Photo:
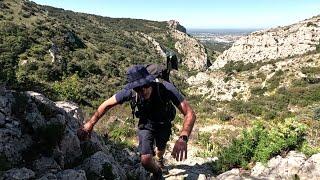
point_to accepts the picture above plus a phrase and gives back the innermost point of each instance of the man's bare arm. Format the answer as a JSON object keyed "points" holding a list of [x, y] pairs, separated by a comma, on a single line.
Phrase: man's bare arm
{"points": [[103, 108], [189, 118]]}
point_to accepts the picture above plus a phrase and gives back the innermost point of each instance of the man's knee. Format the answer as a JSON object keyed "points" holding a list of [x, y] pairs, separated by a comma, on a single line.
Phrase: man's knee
{"points": [[146, 160]]}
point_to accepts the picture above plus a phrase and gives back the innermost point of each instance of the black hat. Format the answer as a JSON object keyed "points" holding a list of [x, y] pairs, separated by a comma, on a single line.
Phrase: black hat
{"points": [[138, 75]]}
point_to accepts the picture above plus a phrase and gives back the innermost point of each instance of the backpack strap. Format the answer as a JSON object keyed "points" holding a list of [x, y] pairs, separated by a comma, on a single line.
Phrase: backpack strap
{"points": [[133, 102]]}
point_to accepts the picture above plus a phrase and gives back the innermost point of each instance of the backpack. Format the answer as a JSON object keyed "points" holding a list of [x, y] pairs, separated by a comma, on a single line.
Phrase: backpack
{"points": [[161, 73], [161, 105]]}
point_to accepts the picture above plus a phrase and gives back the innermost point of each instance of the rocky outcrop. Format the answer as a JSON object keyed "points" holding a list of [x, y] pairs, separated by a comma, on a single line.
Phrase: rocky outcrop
{"points": [[193, 52], [276, 43], [176, 25], [38, 141], [148, 39], [217, 86], [294, 166]]}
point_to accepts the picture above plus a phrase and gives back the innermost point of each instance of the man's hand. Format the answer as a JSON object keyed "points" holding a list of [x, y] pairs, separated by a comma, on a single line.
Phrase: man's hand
{"points": [[179, 151], [84, 133]]}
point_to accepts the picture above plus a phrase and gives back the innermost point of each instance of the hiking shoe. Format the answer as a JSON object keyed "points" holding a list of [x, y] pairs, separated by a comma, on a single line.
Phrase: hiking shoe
{"points": [[160, 162], [157, 176]]}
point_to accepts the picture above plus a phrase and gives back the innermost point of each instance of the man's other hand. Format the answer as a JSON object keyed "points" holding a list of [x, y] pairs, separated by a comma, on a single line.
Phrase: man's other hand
{"points": [[179, 151]]}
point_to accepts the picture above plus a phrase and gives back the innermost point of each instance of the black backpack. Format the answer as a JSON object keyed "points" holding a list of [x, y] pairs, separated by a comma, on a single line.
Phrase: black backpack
{"points": [[161, 73]]}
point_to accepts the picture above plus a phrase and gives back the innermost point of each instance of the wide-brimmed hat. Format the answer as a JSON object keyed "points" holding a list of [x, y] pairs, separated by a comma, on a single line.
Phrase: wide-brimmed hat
{"points": [[138, 75]]}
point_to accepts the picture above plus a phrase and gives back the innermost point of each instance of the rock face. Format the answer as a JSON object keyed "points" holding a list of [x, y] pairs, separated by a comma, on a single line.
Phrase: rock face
{"points": [[195, 56], [294, 166], [255, 61], [146, 38], [214, 86], [38, 141], [176, 25], [276, 43]]}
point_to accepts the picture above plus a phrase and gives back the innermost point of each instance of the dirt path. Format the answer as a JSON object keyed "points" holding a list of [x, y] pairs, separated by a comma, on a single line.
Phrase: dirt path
{"points": [[192, 168]]}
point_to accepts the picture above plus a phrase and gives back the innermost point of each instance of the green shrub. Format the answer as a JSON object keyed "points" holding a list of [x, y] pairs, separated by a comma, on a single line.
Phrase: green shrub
{"points": [[318, 47], [227, 79], [262, 76], [316, 114], [238, 66], [69, 88], [308, 150], [280, 137], [209, 84], [255, 108], [275, 80], [208, 148], [260, 143], [258, 90], [224, 116], [120, 131]]}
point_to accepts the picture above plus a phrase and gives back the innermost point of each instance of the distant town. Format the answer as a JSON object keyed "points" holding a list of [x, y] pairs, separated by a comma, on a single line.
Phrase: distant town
{"points": [[227, 36]]}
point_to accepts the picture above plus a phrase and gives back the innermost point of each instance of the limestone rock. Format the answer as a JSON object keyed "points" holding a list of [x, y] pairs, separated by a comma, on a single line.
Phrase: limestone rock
{"points": [[176, 25], [41, 134], [44, 165], [70, 174], [146, 38], [101, 165], [19, 174], [232, 174], [70, 147], [212, 85], [276, 43], [311, 168], [293, 166], [195, 56]]}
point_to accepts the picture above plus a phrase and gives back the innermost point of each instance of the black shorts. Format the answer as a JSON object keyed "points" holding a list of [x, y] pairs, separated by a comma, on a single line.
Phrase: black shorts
{"points": [[148, 138]]}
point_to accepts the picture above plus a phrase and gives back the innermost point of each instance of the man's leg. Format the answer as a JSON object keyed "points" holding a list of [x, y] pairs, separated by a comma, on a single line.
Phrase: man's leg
{"points": [[149, 164], [146, 140], [162, 137]]}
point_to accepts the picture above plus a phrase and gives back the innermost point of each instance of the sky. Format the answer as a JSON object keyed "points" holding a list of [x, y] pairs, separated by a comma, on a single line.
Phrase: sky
{"points": [[200, 14]]}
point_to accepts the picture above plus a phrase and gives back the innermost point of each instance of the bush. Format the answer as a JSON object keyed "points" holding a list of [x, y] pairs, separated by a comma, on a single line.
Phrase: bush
{"points": [[224, 116], [318, 47], [316, 114], [69, 88], [260, 143], [208, 148]]}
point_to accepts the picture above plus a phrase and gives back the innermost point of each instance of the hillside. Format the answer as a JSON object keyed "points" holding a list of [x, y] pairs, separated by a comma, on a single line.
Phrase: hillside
{"points": [[270, 76], [277, 63], [46, 48]]}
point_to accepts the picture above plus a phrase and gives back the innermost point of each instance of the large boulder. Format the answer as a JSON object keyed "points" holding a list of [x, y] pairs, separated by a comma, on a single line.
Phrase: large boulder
{"points": [[311, 168], [19, 174], [294, 166], [100, 165], [38, 139]]}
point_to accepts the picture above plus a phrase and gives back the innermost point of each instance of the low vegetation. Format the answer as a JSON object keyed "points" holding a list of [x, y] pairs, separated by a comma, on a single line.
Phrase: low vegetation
{"points": [[260, 143]]}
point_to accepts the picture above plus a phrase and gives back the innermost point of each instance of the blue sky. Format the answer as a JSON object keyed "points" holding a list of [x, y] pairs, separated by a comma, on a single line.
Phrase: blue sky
{"points": [[200, 13]]}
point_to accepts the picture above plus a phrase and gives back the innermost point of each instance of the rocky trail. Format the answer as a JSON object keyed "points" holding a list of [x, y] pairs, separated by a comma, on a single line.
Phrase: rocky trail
{"points": [[191, 168]]}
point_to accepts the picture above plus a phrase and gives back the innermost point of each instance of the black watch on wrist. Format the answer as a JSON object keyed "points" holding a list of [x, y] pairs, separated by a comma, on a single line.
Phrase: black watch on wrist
{"points": [[184, 138]]}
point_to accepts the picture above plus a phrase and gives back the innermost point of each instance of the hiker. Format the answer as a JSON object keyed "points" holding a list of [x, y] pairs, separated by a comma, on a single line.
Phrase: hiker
{"points": [[155, 112]]}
